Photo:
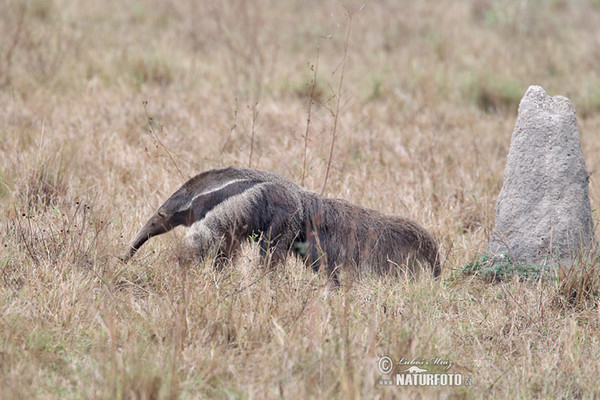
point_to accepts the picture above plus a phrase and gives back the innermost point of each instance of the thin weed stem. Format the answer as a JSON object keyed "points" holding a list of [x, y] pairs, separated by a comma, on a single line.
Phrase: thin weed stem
{"points": [[157, 138], [314, 68], [252, 132], [338, 98]]}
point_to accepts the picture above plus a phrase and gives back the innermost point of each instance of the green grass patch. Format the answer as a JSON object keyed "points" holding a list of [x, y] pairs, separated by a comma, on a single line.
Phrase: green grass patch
{"points": [[502, 267]]}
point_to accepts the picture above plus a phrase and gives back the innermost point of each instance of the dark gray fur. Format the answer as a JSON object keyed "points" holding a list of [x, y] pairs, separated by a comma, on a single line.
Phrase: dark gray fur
{"points": [[225, 207]]}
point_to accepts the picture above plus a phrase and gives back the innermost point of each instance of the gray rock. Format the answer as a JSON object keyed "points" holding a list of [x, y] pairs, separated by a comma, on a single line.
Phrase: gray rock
{"points": [[543, 213]]}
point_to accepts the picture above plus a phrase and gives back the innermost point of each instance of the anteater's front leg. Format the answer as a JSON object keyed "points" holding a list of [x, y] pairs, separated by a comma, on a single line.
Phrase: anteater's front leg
{"points": [[277, 242]]}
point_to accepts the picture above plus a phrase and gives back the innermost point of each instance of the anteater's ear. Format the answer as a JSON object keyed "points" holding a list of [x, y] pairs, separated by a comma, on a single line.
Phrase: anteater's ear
{"points": [[205, 202]]}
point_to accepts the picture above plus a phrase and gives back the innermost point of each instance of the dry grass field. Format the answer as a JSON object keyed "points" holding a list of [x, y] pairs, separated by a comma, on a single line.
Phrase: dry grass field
{"points": [[108, 107]]}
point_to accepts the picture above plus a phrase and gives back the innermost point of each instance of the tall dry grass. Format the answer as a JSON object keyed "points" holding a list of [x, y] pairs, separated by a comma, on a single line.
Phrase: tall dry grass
{"points": [[108, 107]]}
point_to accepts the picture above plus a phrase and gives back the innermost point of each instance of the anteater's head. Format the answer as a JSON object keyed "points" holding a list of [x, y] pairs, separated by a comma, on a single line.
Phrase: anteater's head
{"points": [[192, 202]]}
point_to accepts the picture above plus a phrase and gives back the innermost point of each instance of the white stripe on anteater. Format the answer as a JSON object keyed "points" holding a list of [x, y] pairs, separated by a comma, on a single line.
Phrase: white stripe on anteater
{"points": [[188, 205], [206, 235]]}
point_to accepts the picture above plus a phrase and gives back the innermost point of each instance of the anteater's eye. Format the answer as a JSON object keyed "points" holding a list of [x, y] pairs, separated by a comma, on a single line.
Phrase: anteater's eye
{"points": [[162, 214]]}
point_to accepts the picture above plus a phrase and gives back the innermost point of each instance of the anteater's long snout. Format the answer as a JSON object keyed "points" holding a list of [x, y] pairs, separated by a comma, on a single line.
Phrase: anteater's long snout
{"points": [[156, 225]]}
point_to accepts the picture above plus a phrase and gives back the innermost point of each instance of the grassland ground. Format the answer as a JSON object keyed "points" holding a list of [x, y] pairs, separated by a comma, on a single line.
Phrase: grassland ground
{"points": [[107, 108]]}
